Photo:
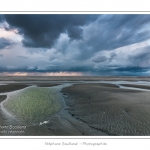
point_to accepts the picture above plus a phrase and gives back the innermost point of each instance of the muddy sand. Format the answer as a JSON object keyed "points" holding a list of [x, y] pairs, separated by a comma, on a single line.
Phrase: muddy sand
{"points": [[137, 86], [17, 86], [11, 87], [2, 97], [109, 109], [97, 109]]}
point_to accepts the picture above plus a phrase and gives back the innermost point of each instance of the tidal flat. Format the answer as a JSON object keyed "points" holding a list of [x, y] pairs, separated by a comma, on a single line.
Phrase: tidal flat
{"points": [[83, 106], [33, 104]]}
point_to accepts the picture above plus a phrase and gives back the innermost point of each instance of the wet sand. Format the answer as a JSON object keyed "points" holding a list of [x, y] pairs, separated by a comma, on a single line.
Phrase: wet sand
{"points": [[61, 123], [95, 109], [110, 110], [137, 86], [17, 86], [12, 87], [2, 97], [47, 84], [101, 110]]}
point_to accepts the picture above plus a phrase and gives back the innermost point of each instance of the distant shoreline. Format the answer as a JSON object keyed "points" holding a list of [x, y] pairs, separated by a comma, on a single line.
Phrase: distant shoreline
{"points": [[72, 78]]}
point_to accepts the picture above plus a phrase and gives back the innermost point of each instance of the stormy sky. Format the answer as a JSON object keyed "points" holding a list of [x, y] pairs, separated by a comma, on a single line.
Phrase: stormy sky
{"points": [[75, 44]]}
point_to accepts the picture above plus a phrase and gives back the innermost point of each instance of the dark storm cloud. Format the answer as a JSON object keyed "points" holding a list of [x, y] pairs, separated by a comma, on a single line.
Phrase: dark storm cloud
{"points": [[103, 58], [131, 69], [1, 18], [137, 63], [112, 56], [10, 69], [110, 32], [75, 32], [99, 59], [84, 45], [141, 58], [106, 32], [114, 31], [43, 30], [78, 68], [5, 43]]}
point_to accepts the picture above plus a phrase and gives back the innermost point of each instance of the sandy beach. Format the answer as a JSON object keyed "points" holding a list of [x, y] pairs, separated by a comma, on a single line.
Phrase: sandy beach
{"points": [[109, 109], [92, 109], [2, 97]]}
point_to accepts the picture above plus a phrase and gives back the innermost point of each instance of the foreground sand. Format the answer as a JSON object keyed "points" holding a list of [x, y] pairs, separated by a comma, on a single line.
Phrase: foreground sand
{"points": [[109, 109], [96, 109], [100, 109], [2, 97]]}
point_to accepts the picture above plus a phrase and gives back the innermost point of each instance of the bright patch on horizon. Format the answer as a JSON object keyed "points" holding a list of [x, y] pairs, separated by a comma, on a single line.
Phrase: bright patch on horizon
{"points": [[41, 74]]}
